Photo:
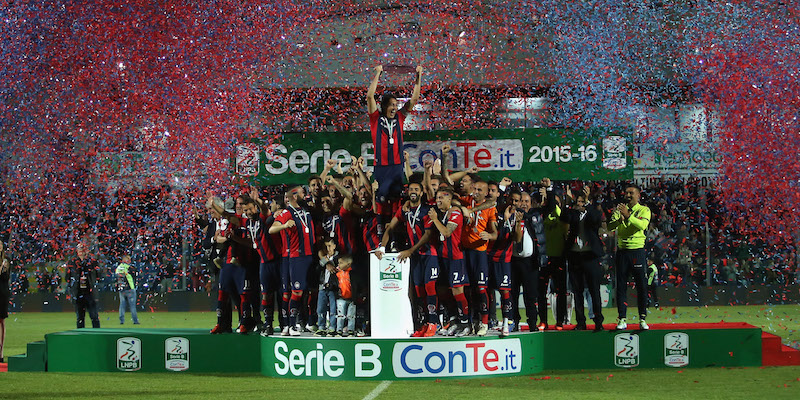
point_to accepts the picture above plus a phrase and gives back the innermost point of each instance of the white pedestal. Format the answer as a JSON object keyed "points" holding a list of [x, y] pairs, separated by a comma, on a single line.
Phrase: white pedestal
{"points": [[390, 307]]}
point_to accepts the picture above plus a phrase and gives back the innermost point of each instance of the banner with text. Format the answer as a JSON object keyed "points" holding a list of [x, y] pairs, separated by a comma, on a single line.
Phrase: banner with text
{"points": [[520, 154], [698, 159], [386, 359]]}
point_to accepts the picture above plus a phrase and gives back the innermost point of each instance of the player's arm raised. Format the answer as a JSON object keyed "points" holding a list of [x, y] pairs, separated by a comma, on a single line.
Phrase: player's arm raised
{"points": [[415, 94], [373, 86], [407, 165], [426, 180], [456, 176]]}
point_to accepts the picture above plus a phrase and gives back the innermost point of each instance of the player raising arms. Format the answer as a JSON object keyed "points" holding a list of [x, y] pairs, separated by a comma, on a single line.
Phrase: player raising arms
{"points": [[386, 126]]}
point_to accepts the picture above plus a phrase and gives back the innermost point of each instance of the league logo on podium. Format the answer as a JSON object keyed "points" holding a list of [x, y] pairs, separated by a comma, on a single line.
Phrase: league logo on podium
{"points": [[129, 354], [176, 354], [676, 349], [626, 350]]}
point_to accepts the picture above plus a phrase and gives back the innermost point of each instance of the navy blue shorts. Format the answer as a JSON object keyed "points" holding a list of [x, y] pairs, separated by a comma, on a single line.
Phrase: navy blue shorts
{"points": [[270, 276], [501, 271], [232, 279], [424, 269], [298, 272], [390, 182], [456, 271], [478, 266]]}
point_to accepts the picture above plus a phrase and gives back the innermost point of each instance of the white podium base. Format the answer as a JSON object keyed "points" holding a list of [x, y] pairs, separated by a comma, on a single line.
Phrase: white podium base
{"points": [[390, 307]]}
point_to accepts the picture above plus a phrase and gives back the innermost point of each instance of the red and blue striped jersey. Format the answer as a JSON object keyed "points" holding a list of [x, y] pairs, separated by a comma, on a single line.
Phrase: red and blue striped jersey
{"points": [[265, 244], [502, 248], [299, 239], [387, 137], [417, 222], [451, 246], [369, 226], [340, 227], [245, 255]]}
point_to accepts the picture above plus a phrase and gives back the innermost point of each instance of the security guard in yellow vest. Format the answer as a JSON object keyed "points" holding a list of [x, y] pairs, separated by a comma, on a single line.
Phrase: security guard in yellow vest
{"points": [[630, 221]]}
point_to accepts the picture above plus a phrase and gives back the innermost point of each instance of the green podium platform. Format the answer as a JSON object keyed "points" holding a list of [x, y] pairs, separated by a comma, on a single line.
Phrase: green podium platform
{"points": [[151, 350], [309, 357]]}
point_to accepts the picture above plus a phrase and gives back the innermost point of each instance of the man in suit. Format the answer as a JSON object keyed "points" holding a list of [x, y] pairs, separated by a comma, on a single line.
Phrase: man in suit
{"points": [[584, 250]]}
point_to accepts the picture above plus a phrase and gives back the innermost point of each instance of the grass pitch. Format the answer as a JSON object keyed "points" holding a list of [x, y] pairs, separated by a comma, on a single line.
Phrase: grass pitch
{"points": [[706, 383]]}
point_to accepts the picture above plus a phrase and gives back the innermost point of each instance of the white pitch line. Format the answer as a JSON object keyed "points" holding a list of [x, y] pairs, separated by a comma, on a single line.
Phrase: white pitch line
{"points": [[378, 390]]}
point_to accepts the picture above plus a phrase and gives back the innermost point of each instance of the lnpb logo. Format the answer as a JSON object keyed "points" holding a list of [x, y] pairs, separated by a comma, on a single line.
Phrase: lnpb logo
{"points": [[626, 350], [457, 358], [129, 354], [676, 349], [176, 350], [247, 159], [391, 274]]}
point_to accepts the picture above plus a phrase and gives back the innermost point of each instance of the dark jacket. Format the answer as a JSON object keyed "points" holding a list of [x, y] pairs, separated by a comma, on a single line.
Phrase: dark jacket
{"points": [[592, 222], [333, 282], [82, 276]]}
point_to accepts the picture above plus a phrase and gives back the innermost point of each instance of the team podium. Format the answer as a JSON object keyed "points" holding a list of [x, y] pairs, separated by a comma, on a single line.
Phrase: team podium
{"points": [[390, 306]]}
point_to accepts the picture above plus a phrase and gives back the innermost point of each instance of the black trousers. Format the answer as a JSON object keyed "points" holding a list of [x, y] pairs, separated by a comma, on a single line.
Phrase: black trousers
{"points": [[525, 275], [83, 303], [653, 294], [631, 262], [584, 271], [556, 269]]}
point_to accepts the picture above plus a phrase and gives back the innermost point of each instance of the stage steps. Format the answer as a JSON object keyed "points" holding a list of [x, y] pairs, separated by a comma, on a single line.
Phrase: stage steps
{"points": [[34, 360], [775, 353]]}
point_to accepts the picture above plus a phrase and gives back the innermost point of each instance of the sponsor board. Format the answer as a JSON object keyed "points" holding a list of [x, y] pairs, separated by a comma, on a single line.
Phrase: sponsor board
{"points": [[129, 354], [520, 154], [176, 354], [391, 359], [457, 358], [676, 349], [626, 350]]}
